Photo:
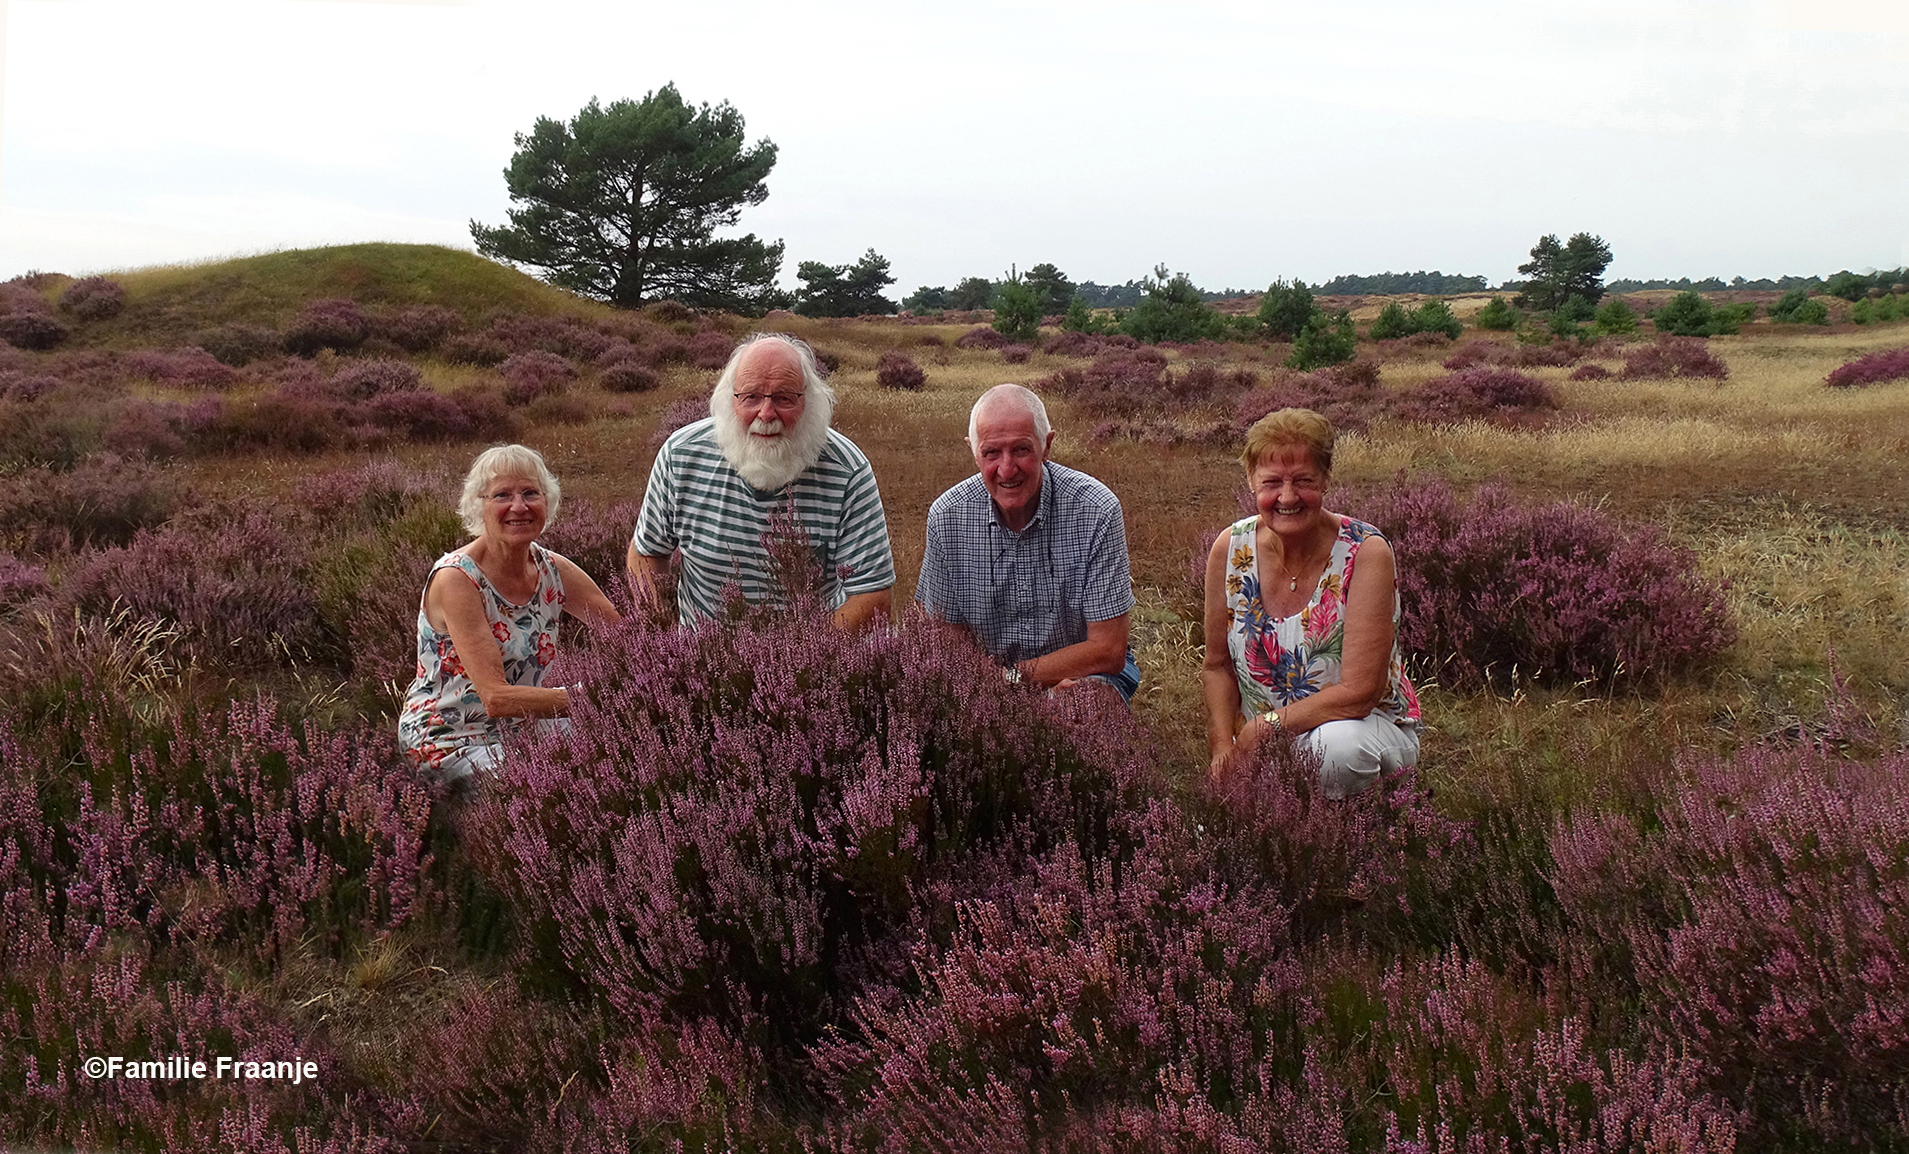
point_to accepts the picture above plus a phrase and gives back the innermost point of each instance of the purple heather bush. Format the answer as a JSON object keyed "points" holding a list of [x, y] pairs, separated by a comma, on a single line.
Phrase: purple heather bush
{"points": [[681, 411], [1673, 357], [475, 349], [1590, 372], [897, 370], [364, 380], [140, 428], [422, 415], [20, 385], [984, 337], [490, 415], [1758, 917], [334, 323], [560, 409], [20, 582], [530, 375], [1121, 384], [234, 588], [628, 376], [1554, 592], [239, 345], [94, 298], [102, 501], [417, 328], [1474, 394], [31, 330], [710, 350], [1348, 395], [1888, 365], [189, 367], [291, 419], [1016, 354]]}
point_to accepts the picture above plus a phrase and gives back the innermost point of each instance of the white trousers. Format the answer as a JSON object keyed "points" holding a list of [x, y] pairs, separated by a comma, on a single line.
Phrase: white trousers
{"points": [[1354, 754]]}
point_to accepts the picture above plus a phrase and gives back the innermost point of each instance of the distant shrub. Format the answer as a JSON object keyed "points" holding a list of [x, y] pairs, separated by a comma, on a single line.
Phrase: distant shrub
{"points": [[1690, 315], [417, 328], [1615, 316], [419, 414], [560, 409], [681, 411], [362, 380], [1017, 310], [981, 338], [668, 351], [896, 370], [1880, 308], [1285, 309], [1559, 593], [1172, 309], [1797, 307], [1673, 357], [1471, 394], [1347, 395], [103, 501], [285, 420], [334, 323], [1016, 354], [1116, 384], [94, 298], [562, 336], [530, 375], [490, 415], [176, 368], [1070, 343], [1391, 323], [1435, 316], [1324, 341], [235, 590], [1497, 316], [31, 330], [475, 349], [239, 345], [143, 428], [628, 377], [20, 386], [1888, 365], [1553, 354], [1590, 372], [709, 350], [1473, 353]]}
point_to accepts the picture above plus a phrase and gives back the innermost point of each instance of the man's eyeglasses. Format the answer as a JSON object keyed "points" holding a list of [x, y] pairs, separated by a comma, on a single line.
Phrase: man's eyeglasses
{"points": [[784, 402], [508, 497]]}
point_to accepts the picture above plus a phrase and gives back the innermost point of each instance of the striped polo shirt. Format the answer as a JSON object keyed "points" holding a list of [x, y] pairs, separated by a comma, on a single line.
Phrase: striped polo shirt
{"points": [[697, 502]]}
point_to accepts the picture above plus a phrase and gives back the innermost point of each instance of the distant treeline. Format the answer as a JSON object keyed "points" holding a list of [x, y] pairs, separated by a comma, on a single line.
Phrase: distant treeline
{"points": [[1434, 283], [1846, 284]]}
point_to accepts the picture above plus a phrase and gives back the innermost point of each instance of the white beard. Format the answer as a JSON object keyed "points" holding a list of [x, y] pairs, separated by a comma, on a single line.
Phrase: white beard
{"points": [[769, 463]]}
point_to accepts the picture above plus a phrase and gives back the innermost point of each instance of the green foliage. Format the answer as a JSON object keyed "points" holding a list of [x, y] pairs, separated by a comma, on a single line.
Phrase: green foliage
{"points": [[1051, 287], [1326, 340], [1689, 315], [1727, 319], [1285, 309], [1392, 323], [1497, 316], [973, 292], [926, 300], [1615, 316], [1435, 316], [1559, 272], [1851, 286], [1797, 307], [844, 290], [1081, 319], [1018, 308], [623, 204], [1172, 310], [1432, 283], [1887, 308]]}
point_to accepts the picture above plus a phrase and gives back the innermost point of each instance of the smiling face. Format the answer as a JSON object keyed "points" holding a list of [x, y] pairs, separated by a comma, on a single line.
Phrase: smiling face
{"points": [[1010, 454], [514, 510], [1290, 490]]}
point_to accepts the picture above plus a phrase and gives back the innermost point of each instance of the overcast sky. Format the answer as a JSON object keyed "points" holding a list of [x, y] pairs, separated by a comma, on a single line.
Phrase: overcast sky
{"points": [[1235, 141]]}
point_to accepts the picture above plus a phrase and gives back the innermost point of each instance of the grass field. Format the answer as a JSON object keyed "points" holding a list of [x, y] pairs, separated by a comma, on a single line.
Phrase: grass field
{"points": [[1793, 494]]}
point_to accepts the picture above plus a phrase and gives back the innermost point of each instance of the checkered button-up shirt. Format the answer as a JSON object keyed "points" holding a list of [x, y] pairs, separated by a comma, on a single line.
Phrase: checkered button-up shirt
{"points": [[1027, 594]]}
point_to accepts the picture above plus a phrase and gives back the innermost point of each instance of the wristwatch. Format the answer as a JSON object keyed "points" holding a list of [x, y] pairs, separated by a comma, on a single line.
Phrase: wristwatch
{"points": [[1271, 717], [1013, 674]]}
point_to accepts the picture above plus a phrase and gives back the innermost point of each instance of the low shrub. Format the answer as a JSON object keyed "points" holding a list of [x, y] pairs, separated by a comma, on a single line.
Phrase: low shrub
{"points": [[1888, 365], [25, 386], [1556, 593], [1116, 384], [1548, 354], [596, 536], [1347, 395], [478, 349], [288, 419], [420, 415], [1590, 372], [94, 298], [239, 345], [560, 409], [681, 411], [1880, 308], [1673, 357], [179, 368], [1069, 343], [335, 323], [31, 330], [102, 501], [417, 328], [364, 380], [528, 376], [981, 338], [1392, 323], [1326, 340], [1689, 315], [1797, 307], [1497, 316], [20, 582], [1016, 354], [710, 350], [1758, 916], [628, 377], [235, 590], [1472, 394], [1615, 316], [896, 370], [142, 428]]}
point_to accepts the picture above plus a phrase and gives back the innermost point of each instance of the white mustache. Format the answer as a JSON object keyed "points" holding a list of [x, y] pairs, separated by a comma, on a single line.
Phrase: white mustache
{"points": [[767, 428]]}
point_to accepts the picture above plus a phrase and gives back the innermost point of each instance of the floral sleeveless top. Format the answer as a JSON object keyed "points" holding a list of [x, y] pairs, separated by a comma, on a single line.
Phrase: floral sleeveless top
{"points": [[442, 711], [1280, 660]]}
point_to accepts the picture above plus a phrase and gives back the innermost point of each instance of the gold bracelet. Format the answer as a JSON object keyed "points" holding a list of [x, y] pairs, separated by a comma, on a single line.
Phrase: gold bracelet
{"points": [[1271, 717]]}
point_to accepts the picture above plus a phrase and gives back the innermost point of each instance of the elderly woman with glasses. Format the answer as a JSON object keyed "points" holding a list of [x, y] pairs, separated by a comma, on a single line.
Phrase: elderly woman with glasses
{"points": [[487, 626]]}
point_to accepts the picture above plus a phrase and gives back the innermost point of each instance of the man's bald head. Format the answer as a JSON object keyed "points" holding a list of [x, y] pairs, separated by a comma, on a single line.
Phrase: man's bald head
{"points": [[1010, 399]]}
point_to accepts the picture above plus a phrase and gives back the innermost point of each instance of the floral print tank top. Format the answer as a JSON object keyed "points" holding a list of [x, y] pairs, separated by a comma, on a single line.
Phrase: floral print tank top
{"points": [[442, 711], [1280, 660]]}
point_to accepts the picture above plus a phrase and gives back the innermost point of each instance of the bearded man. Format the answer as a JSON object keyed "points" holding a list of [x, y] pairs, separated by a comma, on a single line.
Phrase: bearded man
{"points": [[766, 450]]}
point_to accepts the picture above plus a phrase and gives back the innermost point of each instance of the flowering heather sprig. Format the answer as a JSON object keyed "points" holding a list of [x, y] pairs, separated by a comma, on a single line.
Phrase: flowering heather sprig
{"points": [[335, 323], [94, 298], [897, 370], [1761, 917], [1888, 365], [1556, 592], [1673, 357]]}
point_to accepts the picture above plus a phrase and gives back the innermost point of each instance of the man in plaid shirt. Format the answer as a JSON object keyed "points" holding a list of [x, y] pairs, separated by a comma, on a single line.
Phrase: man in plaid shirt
{"points": [[1031, 556]]}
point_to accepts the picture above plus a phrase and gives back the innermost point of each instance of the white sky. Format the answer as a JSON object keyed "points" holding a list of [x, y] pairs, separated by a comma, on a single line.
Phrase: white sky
{"points": [[1235, 141]]}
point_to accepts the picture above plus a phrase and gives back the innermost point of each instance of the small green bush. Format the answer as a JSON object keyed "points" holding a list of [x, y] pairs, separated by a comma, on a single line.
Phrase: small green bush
{"points": [[1687, 315], [1391, 323], [1797, 307], [1285, 309], [1497, 316], [1615, 316], [1017, 310], [1435, 316], [1173, 310], [1324, 341]]}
